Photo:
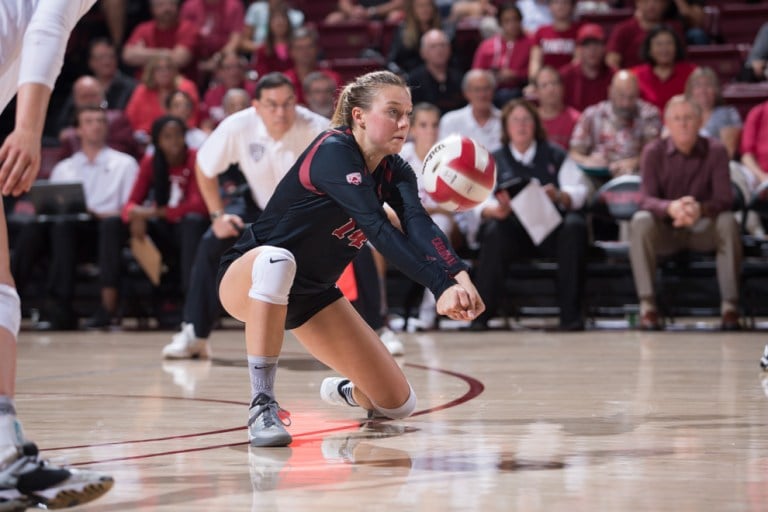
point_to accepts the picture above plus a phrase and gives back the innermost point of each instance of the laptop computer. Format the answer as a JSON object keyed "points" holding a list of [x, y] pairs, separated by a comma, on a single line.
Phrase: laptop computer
{"points": [[58, 200]]}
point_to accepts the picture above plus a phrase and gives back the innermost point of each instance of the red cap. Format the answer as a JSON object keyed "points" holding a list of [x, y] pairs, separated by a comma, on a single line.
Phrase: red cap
{"points": [[590, 31]]}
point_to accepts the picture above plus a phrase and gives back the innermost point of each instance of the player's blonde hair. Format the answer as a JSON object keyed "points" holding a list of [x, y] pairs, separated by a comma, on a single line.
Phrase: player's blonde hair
{"points": [[361, 92]]}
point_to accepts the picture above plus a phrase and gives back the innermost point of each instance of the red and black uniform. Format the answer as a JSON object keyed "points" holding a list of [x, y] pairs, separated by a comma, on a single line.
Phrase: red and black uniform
{"points": [[329, 205]]}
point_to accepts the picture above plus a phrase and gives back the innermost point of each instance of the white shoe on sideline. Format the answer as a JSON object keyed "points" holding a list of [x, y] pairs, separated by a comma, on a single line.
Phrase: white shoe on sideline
{"points": [[186, 346], [391, 341]]}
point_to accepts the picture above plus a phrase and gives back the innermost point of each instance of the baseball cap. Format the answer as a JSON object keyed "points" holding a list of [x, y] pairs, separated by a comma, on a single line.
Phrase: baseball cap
{"points": [[590, 31]]}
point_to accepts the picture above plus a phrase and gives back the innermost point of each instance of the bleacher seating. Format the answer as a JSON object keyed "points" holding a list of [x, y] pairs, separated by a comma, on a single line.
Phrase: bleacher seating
{"points": [[740, 22], [724, 59], [349, 68], [344, 40], [744, 96]]}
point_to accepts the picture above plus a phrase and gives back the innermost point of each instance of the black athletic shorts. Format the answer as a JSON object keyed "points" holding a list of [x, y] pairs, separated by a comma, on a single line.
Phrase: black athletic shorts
{"points": [[301, 307]]}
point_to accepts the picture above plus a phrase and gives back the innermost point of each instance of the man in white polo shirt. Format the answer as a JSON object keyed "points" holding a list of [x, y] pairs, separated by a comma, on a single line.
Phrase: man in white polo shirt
{"points": [[107, 176], [264, 141], [479, 120]]}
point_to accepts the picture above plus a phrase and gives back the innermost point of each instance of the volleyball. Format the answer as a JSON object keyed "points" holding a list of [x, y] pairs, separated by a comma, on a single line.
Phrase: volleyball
{"points": [[458, 173]]}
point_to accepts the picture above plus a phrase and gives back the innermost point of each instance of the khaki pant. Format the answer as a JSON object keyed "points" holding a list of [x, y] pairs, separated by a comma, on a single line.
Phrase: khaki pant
{"points": [[650, 237]]}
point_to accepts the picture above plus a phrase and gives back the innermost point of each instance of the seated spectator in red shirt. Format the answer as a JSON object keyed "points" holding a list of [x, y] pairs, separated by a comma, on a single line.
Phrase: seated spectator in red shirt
{"points": [[87, 90], [627, 37], [165, 203], [586, 81], [102, 61], [554, 45], [303, 51], [147, 103], [273, 55], [420, 17], [231, 72], [557, 118], [164, 35], [665, 71], [320, 91], [219, 27], [506, 54], [436, 81], [754, 142]]}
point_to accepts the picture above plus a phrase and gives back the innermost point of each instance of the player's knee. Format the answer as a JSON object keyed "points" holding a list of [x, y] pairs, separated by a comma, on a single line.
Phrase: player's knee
{"points": [[10, 309], [403, 411], [272, 275]]}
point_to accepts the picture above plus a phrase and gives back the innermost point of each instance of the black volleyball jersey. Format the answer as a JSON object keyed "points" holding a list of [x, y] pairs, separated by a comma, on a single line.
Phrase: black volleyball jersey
{"points": [[329, 205]]}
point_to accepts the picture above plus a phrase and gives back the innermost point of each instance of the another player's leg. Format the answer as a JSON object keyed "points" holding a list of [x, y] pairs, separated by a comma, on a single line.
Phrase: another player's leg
{"points": [[255, 291], [26, 480], [372, 379]]}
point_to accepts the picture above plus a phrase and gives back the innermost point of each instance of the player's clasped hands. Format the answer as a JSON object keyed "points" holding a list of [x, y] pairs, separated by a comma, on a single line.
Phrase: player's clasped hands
{"points": [[461, 301]]}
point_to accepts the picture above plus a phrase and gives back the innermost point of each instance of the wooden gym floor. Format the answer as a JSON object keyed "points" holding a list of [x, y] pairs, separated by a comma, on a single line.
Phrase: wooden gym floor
{"points": [[525, 420]]}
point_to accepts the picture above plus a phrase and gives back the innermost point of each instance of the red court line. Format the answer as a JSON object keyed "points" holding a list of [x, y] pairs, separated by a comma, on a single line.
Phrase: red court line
{"points": [[475, 388]]}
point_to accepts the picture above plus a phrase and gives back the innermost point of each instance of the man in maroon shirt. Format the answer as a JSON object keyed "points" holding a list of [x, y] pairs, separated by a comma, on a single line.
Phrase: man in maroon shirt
{"points": [[164, 35], [586, 82], [686, 204]]}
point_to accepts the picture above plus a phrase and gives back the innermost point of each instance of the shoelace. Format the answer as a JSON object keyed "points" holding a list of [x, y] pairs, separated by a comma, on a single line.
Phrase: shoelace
{"points": [[274, 411]]}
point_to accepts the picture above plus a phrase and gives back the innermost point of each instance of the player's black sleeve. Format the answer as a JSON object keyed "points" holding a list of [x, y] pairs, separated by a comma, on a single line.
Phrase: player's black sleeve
{"points": [[330, 173], [416, 222]]}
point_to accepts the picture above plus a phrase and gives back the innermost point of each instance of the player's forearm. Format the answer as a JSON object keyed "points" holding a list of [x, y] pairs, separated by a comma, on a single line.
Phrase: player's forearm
{"points": [[209, 189], [31, 107]]}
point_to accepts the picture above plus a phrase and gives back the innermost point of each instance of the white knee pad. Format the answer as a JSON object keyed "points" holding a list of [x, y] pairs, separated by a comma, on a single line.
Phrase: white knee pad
{"points": [[401, 412], [10, 309], [272, 275]]}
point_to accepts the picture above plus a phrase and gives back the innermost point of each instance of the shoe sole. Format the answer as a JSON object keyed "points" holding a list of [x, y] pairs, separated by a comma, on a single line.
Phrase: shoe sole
{"points": [[329, 392], [273, 442], [65, 498]]}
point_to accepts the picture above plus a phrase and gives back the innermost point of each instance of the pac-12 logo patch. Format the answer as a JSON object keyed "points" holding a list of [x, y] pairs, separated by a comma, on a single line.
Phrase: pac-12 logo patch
{"points": [[354, 178], [256, 150]]}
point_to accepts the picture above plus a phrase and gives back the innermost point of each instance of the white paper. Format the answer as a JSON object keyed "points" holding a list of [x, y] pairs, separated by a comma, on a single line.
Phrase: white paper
{"points": [[536, 211]]}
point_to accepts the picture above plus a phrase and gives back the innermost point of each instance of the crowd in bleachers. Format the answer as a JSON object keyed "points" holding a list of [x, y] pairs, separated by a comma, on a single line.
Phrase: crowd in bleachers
{"points": [[597, 74]]}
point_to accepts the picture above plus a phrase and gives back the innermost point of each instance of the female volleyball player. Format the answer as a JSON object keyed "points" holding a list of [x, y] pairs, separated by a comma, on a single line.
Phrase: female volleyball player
{"points": [[281, 274]]}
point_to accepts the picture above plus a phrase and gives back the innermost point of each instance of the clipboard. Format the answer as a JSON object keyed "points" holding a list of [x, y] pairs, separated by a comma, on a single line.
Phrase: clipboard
{"points": [[148, 257]]}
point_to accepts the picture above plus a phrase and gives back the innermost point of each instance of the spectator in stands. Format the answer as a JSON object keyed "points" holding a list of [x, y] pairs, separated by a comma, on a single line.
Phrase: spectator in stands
{"points": [[423, 135], [756, 69], [479, 120], [691, 14], [555, 45], [235, 100], [107, 177], [611, 135], [230, 73], [557, 118], [587, 80], [165, 35], [686, 204], [320, 92], [526, 154], [165, 203], [274, 54], [102, 61], [365, 10], [719, 121], [421, 16], [627, 37], [180, 104], [535, 14], [257, 22], [147, 102], [304, 55], [219, 28], [87, 90], [665, 70], [437, 81], [754, 142], [506, 54], [473, 10]]}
